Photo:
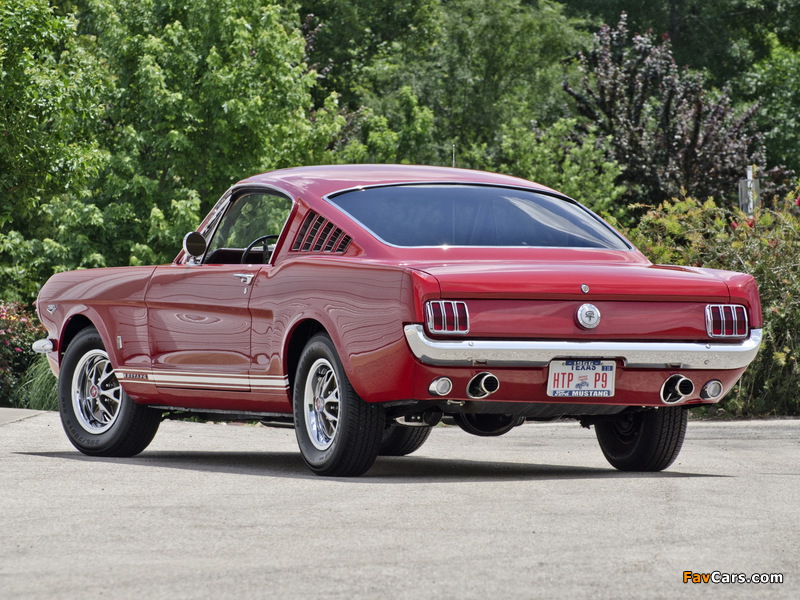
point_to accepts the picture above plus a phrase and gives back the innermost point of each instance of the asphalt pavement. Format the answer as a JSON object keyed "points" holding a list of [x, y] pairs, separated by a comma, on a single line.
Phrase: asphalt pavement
{"points": [[230, 511]]}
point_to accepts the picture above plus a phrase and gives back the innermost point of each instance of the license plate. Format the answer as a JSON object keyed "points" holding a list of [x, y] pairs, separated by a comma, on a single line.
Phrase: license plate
{"points": [[581, 378]]}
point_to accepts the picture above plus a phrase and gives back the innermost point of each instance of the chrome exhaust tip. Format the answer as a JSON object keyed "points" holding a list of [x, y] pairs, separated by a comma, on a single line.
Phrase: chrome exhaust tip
{"points": [[712, 390], [676, 389], [482, 385], [441, 386]]}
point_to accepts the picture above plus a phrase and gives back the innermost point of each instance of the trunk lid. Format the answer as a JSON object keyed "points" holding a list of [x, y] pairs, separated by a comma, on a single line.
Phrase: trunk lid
{"points": [[528, 300], [564, 281]]}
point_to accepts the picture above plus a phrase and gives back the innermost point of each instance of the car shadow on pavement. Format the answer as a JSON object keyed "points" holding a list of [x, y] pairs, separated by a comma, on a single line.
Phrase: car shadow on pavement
{"points": [[386, 469]]}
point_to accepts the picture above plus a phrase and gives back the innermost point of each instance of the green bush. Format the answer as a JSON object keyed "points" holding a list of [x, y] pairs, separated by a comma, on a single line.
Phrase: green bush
{"points": [[37, 389], [19, 328], [767, 245]]}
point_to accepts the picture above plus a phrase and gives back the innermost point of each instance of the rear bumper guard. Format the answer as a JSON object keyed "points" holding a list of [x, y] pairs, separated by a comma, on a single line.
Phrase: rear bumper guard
{"points": [[635, 355]]}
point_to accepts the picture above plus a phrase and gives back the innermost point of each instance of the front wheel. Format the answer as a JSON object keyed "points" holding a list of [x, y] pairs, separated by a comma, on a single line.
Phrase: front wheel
{"points": [[338, 433], [99, 418], [649, 440]]}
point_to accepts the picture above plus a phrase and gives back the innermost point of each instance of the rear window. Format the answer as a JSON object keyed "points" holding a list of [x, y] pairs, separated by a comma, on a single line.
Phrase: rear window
{"points": [[473, 215]]}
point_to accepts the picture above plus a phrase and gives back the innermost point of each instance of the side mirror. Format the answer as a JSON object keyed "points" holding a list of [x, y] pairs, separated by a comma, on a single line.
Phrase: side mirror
{"points": [[194, 244]]}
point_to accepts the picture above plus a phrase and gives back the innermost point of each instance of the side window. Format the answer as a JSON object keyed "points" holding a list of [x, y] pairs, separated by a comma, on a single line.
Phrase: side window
{"points": [[250, 217]]}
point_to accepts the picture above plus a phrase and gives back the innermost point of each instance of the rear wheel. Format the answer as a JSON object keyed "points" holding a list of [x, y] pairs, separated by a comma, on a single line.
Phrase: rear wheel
{"points": [[98, 416], [338, 433], [399, 440], [643, 441]]}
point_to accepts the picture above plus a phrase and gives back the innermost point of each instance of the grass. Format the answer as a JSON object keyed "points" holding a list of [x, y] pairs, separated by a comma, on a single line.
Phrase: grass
{"points": [[38, 389]]}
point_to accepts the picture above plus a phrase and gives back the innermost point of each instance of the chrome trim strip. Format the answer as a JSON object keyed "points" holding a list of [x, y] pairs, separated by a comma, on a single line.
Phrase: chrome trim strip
{"points": [[192, 379], [636, 355], [42, 346]]}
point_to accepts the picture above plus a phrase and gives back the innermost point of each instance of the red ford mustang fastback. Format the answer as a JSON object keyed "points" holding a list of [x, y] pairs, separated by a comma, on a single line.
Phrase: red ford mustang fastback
{"points": [[364, 304]]}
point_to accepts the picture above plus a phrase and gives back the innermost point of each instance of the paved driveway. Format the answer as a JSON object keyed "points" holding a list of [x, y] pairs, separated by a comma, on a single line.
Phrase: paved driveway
{"points": [[230, 511]]}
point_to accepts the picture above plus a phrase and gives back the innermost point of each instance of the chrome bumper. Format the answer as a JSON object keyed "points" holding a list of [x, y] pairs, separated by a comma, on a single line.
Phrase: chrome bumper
{"points": [[635, 355]]}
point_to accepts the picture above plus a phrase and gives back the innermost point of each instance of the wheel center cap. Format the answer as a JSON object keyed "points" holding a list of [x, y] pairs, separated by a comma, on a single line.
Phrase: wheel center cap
{"points": [[318, 404], [93, 391]]}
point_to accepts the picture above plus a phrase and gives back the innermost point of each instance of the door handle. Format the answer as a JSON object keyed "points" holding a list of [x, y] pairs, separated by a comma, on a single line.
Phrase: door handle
{"points": [[245, 278]]}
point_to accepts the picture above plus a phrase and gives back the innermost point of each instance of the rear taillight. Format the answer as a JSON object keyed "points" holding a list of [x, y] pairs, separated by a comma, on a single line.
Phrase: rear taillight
{"points": [[726, 320], [447, 316]]}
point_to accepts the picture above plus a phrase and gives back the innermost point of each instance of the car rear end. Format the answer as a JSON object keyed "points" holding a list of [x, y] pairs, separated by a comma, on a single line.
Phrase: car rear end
{"points": [[581, 337]]}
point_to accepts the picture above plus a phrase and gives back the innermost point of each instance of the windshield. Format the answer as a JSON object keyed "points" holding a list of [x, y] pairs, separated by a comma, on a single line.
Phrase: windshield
{"points": [[475, 215]]}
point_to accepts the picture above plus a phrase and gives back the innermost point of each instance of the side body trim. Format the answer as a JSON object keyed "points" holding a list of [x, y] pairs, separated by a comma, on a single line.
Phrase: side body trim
{"points": [[218, 381]]}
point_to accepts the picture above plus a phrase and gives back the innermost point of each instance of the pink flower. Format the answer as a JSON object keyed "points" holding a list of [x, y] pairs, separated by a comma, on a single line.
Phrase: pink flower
{"points": [[797, 201], [734, 225], [17, 349]]}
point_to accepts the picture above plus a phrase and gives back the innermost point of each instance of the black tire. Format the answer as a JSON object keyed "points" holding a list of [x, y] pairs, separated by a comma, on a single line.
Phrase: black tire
{"points": [[399, 440], [649, 440], [338, 433], [99, 418], [490, 425]]}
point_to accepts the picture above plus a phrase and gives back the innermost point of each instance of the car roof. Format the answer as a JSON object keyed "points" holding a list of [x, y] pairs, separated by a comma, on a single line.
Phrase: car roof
{"points": [[323, 180]]}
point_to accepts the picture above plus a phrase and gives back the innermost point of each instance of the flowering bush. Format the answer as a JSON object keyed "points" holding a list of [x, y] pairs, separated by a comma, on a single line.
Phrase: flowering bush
{"points": [[686, 232], [19, 328]]}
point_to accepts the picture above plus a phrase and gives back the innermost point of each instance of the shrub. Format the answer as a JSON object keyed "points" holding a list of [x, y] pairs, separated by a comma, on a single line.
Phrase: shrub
{"points": [[18, 330], [766, 245], [666, 129], [37, 389]]}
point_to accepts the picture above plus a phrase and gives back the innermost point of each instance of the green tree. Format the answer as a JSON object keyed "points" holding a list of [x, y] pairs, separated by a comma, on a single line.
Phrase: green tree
{"points": [[776, 82], [488, 63], [559, 157], [51, 97], [126, 123], [408, 139], [346, 37], [667, 130], [723, 37], [205, 93]]}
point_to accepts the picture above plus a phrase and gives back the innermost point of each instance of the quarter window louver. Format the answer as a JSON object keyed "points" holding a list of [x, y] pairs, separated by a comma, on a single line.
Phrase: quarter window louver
{"points": [[317, 234]]}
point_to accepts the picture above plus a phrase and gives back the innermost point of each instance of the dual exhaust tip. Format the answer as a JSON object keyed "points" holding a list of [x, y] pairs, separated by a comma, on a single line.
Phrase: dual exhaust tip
{"points": [[480, 386], [675, 390], [678, 388]]}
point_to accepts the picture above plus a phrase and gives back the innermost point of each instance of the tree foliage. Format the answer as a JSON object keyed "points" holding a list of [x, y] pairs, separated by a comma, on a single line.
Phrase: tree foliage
{"points": [[576, 165], [776, 82], [205, 93], [346, 37], [186, 98], [724, 38], [51, 102], [668, 131], [51, 86], [457, 84]]}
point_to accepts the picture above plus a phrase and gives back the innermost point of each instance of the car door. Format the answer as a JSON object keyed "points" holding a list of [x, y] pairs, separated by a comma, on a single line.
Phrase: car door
{"points": [[199, 323]]}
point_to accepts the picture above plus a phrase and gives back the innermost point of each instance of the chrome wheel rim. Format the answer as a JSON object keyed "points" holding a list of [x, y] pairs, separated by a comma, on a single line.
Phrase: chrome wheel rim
{"points": [[96, 393], [321, 404]]}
